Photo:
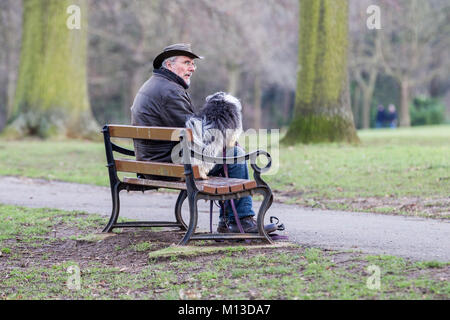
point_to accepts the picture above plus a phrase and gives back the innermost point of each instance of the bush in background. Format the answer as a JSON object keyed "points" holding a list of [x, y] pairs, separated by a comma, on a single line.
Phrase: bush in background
{"points": [[426, 111]]}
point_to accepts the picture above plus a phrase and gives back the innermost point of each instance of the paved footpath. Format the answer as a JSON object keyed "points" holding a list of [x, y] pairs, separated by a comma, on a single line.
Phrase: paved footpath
{"points": [[409, 237]]}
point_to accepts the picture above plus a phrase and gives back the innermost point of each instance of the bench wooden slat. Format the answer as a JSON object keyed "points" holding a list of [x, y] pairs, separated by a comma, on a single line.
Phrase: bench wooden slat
{"points": [[155, 168], [152, 133], [157, 183], [218, 185], [214, 185], [221, 185], [240, 184]]}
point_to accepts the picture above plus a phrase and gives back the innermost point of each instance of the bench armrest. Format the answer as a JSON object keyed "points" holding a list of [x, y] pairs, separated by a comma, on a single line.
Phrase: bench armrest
{"points": [[122, 150], [252, 156]]}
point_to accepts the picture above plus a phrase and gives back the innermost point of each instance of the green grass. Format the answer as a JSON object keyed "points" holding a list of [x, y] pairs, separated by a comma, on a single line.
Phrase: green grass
{"points": [[296, 280], [35, 224], [177, 251], [407, 162], [33, 268], [403, 162], [69, 160]]}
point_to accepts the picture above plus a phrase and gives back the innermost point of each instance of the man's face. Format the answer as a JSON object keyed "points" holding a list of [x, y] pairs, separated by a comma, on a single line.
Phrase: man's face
{"points": [[183, 67]]}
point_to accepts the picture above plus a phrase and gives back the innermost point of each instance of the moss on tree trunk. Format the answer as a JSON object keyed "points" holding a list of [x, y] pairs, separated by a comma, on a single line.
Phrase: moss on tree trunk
{"points": [[51, 94], [322, 103]]}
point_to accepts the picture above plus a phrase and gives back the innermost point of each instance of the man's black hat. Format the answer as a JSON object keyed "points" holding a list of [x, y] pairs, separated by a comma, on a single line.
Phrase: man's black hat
{"points": [[178, 49]]}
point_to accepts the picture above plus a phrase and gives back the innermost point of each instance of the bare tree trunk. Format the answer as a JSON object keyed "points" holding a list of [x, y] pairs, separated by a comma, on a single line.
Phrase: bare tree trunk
{"points": [[257, 100], [233, 79], [286, 104], [356, 106], [366, 89], [11, 88], [3, 100], [135, 81], [367, 101], [366, 110], [405, 119]]}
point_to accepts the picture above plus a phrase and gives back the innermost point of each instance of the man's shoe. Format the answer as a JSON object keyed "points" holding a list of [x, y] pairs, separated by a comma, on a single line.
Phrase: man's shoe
{"points": [[249, 226]]}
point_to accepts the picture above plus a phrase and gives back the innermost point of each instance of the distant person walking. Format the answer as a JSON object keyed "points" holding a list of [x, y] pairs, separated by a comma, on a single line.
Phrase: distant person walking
{"points": [[391, 116], [381, 117]]}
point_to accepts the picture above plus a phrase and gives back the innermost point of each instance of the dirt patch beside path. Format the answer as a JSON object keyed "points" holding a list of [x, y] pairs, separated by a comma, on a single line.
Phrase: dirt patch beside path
{"points": [[438, 208]]}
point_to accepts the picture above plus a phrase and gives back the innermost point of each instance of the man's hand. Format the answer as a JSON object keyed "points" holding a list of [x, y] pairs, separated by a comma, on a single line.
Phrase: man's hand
{"points": [[203, 173]]}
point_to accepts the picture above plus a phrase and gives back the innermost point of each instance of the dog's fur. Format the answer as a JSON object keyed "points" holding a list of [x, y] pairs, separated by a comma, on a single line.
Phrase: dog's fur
{"points": [[217, 125]]}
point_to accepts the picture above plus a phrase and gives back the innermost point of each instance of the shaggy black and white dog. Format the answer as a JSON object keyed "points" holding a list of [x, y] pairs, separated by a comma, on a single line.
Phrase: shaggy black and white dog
{"points": [[217, 125]]}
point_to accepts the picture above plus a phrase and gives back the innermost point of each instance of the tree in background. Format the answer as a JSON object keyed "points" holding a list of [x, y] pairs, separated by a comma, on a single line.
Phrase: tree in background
{"points": [[322, 103], [10, 30], [250, 49], [364, 61], [243, 43], [51, 94], [414, 45]]}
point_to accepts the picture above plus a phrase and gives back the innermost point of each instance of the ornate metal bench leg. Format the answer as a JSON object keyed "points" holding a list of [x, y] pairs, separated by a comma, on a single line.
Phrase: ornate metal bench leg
{"points": [[115, 209], [181, 197], [192, 220], [270, 201], [268, 198]]}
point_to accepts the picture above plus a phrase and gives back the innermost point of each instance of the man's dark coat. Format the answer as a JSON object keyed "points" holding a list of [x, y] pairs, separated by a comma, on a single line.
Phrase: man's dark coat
{"points": [[162, 101]]}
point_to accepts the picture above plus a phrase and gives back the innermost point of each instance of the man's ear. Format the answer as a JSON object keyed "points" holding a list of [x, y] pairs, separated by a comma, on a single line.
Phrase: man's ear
{"points": [[169, 65]]}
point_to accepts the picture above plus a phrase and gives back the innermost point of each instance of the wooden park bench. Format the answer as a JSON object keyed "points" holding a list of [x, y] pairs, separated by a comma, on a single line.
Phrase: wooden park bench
{"points": [[191, 187]]}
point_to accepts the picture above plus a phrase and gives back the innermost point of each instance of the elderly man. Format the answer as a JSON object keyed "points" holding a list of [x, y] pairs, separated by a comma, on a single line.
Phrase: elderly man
{"points": [[163, 101]]}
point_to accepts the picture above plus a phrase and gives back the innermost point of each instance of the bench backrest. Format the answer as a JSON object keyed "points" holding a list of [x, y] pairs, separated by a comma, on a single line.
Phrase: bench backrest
{"points": [[150, 133]]}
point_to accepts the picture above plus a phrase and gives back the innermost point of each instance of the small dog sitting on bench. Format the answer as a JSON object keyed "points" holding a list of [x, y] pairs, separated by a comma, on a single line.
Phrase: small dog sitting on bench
{"points": [[216, 126]]}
